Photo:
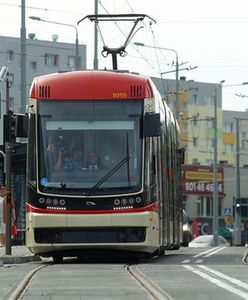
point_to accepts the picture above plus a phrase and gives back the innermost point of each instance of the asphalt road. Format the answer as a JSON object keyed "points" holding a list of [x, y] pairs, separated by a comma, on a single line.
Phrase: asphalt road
{"points": [[213, 273]]}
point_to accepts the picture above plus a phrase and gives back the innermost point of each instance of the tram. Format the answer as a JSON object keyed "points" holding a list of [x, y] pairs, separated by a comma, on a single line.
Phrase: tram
{"points": [[130, 201]]}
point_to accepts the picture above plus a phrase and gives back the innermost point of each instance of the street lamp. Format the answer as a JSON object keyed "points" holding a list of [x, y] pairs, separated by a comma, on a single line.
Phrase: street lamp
{"points": [[237, 225], [215, 191], [177, 65], [237, 203], [63, 24]]}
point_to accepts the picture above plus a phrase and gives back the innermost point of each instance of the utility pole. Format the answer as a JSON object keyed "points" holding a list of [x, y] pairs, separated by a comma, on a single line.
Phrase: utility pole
{"points": [[177, 88], [96, 39], [237, 204], [23, 59], [215, 193], [8, 152], [8, 161]]}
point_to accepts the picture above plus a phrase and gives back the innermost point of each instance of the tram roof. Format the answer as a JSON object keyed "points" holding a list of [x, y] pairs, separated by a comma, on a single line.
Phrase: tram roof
{"points": [[91, 85]]}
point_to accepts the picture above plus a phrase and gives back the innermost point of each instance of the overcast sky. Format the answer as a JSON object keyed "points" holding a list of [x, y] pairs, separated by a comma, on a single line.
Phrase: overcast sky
{"points": [[211, 35]]}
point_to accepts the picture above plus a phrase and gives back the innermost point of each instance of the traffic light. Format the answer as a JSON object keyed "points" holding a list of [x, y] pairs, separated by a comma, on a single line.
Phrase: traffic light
{"points": [[9, 128], [15, 126], [238, 207]]}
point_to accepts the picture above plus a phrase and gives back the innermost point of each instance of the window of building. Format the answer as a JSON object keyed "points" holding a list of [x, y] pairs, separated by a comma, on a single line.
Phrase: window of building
{"points": [[209, 100], [51, 60], [10, 56], [228, 148], [11, 102], [11, 78], [244, 208], [33, 65], [195, 161], [228, 127], [210, 123], [184, 106], [71, 62], [185, 127], [205, 207], [209, 162], [210, 143], [195, 141], [244, 144], [194, 120], [195, 98]]}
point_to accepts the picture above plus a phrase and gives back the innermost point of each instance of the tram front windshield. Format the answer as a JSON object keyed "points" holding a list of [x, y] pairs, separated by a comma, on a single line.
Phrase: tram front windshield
{"points": [[89, 147]]}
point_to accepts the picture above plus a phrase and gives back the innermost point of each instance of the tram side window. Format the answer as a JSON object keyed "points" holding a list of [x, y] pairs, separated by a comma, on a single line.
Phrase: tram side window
{"points": [[32, 151], [150, 173]]}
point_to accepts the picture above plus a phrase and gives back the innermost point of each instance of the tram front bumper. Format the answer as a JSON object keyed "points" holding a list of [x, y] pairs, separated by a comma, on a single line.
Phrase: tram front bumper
{"points": [[120, 230]]}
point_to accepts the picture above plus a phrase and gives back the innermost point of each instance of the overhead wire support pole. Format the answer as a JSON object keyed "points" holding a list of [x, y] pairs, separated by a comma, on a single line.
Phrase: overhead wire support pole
{"points": [[23, 58], [237, 221], [96, 39], [215, 179], [8, 161]]}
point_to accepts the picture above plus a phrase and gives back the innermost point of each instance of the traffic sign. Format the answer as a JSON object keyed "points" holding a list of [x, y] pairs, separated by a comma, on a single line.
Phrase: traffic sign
{"points": [[228, 211], [228, 219]]}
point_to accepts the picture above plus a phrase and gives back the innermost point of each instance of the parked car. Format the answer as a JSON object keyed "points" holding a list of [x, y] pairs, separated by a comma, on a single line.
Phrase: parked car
{"points": [[207, 241], [187, 229]]}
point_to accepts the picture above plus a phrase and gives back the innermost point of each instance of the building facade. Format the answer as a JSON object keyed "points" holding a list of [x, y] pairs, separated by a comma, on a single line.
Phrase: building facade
{"points": [[197, 104], [42, 57]]}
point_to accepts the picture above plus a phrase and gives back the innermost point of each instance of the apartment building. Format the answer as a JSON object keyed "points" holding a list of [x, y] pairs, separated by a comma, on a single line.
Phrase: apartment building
{"points": [[196, 117], [197, 103], [235, 130], [42, 57]]}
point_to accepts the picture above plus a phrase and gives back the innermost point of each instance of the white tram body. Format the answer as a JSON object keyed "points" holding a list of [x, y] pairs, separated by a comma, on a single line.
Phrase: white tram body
{"points": [[130, 201]]}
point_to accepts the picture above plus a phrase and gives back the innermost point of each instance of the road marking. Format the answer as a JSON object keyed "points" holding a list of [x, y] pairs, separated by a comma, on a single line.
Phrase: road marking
{"points": [[214, 252], [231, 279], [218, 282], [199, 261], [186, 261], [209, 250]]}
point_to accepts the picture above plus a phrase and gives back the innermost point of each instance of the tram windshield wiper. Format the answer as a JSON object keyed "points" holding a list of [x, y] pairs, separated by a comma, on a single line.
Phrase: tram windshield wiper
{"points": [[63, 185], [109, 174]]}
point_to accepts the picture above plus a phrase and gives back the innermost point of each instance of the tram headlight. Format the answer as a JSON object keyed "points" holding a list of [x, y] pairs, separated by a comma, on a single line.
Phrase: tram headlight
{"points": [[48, 201], [131, 201], [124, 201], [62, 202], [41, 200], [55, 201], [117, 201], [138, 199]]}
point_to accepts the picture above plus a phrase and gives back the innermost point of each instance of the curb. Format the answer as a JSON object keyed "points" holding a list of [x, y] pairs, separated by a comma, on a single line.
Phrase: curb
{"points": [[9, 259]]}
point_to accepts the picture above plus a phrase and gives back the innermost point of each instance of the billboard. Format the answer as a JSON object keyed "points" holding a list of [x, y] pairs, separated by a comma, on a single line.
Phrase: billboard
{"points": [[198, 180]]}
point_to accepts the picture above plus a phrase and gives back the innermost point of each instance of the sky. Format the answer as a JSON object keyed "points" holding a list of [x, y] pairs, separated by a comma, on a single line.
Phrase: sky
{"points": [[210, 35]]}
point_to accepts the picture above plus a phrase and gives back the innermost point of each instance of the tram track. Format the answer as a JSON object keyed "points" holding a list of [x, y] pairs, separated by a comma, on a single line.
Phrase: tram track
{"points": [[152, 289], [22, 286]]}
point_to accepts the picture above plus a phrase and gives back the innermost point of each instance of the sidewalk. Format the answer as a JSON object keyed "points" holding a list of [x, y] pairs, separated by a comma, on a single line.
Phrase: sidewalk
{"points": [[19, 255]]}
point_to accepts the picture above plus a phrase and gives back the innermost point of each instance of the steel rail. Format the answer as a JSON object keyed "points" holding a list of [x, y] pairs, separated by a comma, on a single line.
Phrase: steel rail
{"points": [[153, 290], [21, 288]]}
